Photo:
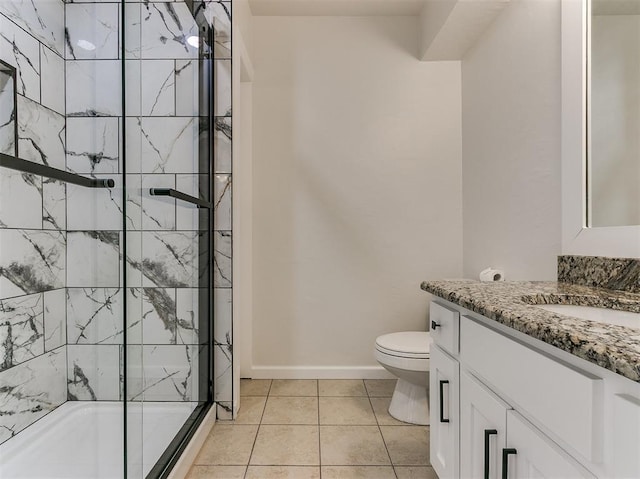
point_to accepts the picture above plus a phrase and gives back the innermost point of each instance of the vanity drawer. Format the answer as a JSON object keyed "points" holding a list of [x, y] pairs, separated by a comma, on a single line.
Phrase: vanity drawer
{"points": [[445, 327], [561, 399]]}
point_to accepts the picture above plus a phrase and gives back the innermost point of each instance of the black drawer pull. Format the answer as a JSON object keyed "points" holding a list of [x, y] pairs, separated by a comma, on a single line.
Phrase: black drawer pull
{"points": [[505, 461], [487, 434], [435, 325], [442, 418]]}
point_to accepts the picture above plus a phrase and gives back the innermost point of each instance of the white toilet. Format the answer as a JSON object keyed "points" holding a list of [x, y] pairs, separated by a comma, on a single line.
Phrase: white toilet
{"points": [[406, 355]]}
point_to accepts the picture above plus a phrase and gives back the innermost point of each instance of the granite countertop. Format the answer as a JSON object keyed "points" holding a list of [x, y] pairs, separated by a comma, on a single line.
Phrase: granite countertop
{"points": [[616, 348]]}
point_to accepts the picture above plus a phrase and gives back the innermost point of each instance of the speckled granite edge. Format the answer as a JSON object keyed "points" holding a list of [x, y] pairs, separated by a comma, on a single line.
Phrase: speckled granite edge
{"points": [[615, 348], [621, 274]]}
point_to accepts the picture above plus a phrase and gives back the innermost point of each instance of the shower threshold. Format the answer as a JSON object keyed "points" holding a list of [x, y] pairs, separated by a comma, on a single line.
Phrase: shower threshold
{"points": [[85, 440]]}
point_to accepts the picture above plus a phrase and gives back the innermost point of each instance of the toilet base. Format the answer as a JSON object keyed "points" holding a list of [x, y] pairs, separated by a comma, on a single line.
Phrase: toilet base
{"points": [[410, 403]]}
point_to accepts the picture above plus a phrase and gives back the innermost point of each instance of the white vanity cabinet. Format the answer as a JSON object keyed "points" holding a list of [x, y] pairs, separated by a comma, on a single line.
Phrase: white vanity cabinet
{"points": [[493, 437], [444, 382], [444, 413], [505, 405], [531, 455], [483, 428]]}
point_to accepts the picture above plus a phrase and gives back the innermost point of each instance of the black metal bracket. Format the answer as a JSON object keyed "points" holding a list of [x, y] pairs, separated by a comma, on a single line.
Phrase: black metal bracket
{"points": [[180, 196], [25, 166]]}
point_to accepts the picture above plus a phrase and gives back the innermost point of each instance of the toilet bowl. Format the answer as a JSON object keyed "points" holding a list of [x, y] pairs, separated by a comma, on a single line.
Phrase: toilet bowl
{"points": [[406, 356]]}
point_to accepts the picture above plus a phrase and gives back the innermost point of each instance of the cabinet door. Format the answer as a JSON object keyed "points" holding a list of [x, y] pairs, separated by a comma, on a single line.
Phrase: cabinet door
{"points": [[444, 383], [483, 427], [626, 436], [535, 455]]}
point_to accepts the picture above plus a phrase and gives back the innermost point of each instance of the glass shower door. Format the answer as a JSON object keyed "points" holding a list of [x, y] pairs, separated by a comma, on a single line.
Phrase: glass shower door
{"points": [[62, 323], [168, 223]]}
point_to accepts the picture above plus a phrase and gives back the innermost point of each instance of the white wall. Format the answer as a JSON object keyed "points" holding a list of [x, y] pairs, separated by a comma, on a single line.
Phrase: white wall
{"points": [[511, 144], [356, 189]]}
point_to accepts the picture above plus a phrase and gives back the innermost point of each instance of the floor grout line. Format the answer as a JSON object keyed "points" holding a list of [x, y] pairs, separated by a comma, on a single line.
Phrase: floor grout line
{"points": [[255, 439], [382, 436], [317, 396]]}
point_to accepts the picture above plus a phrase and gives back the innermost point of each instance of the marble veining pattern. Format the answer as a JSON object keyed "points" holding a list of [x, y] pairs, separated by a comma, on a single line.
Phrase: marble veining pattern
{"points": [[94, 315], [31, 261], [612, 347], [169, 373], [7, 116], [170, 316], [170, 259], [222, 144], [15, 184], [222, 259], [31, 390], [92, 145], [21, 330], [41, 134], [54, 202], [223, 372], [91, 30], [55, 319], [163, 145], [94, 88], [93, 372], [223, 307], [21, 51], [44, 20], [165, 30], [218, 15], [621, 274], [52, 80], [95, 208], [222, 202]]}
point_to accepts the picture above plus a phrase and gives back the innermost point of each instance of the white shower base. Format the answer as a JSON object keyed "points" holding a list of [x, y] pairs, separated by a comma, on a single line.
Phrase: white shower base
{"points": [[85, 440]]}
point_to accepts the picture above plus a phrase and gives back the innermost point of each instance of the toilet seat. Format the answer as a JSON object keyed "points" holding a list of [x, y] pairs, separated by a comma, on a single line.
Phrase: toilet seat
{"points": [[408, 344]]}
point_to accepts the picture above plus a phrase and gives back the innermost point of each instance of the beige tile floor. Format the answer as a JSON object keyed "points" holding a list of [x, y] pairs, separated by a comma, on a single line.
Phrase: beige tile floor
{"points": [[315, 429]]}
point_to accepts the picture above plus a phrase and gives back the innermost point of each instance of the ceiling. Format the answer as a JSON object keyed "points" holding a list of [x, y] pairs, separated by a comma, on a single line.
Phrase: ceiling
{"points": [[336, 7]]}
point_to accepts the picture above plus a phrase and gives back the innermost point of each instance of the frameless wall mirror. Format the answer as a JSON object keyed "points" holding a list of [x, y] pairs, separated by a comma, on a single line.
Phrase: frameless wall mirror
{"points": [[613, 137], [8, 110]]}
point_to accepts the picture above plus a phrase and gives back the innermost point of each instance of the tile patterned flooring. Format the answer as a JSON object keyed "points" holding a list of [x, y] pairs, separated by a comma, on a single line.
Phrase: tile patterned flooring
{"points": [[314, 429]]}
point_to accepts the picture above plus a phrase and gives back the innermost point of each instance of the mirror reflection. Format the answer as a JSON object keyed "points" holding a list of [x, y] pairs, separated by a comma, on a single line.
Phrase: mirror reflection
{"points": [[8, 126], [613, 149]]}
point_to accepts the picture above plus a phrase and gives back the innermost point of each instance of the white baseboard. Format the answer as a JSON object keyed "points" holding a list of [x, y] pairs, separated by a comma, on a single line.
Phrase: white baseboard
{"points": [[181, 469], [320, 372]]}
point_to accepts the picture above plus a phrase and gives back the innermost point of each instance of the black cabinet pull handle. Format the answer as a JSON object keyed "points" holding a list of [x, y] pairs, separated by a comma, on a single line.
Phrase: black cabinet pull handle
{"points": [[487, 434], [435, 325], [442, 418], [505, 461]]}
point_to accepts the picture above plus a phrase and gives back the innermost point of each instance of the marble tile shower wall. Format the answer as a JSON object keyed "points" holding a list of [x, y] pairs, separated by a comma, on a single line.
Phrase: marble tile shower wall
{"points": [[223, 332], [162, 242], [61, 271], [33, 234], [162, 132]]}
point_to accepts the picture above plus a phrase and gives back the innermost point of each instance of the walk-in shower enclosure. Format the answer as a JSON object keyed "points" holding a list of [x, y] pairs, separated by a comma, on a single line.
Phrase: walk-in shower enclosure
{"points": [[106, 233]]}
